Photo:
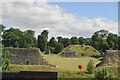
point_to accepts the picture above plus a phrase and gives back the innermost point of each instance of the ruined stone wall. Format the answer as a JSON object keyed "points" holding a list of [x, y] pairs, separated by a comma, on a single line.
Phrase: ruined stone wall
{"points": [[26, 56], [111, 58], [68, 54]]}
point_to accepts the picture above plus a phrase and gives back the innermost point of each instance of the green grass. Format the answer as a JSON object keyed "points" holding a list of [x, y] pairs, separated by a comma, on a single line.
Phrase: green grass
{"points": [[69, 64], [81, 50]]}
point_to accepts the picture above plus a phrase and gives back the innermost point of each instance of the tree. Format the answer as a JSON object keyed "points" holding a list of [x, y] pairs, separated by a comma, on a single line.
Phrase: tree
{"points": [[17, 38], [29, 36], [90, 67], [45, 33], [74, 40], [11, 37], [81, 40], [58, 48], [112, 40], [102, 33], [52, 42], [42, 40], [60, 39], [99, 40], [87, 41], [66, 42]]}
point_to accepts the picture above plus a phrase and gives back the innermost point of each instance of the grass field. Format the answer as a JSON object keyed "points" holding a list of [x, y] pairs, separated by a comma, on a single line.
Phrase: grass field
{"points": [[69, 64]]}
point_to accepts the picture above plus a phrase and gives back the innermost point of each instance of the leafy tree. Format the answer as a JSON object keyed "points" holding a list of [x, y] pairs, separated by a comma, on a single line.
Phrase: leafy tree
{"points": [[42, 40], [112, 40], [58, 48], [87, 41], [81, 40], [11, 37], [16, 38], [102, 33], [66, 42], [99, 40], [52, 42], [90, 67], [74, 40], [60, 39], [45, 33]]}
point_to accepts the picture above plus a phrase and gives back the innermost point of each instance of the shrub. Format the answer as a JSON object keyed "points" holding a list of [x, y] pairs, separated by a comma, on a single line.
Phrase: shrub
{"points": [[90, 67], [83, 54], [103, 74], [5, 60]]}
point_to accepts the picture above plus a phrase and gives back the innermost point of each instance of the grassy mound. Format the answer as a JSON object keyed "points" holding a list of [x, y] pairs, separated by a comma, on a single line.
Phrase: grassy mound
{"points": [[82, 50]]}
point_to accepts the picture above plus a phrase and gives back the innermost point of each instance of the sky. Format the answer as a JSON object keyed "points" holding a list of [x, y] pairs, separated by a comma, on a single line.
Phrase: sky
{"points": [[65, 19], [91, 9]]}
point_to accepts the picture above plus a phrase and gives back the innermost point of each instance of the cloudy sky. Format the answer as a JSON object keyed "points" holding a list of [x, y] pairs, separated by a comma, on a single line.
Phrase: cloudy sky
{"points": [[61, 18]]}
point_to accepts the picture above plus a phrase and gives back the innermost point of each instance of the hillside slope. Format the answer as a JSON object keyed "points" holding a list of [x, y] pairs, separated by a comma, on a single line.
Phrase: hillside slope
{"points": [[81, 50]]}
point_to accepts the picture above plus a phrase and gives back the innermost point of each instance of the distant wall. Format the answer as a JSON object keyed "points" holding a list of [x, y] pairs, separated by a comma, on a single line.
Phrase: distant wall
{"points": [[68, 54], [111, 58], [26, 56]]}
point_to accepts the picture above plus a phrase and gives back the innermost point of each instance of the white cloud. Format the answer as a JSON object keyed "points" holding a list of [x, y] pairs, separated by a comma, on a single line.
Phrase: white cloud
{"points": [[39, 16]]}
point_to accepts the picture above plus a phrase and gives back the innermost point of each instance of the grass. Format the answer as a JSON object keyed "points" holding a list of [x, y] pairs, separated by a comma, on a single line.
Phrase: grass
{"points": [[69, 64], [82, 50]]}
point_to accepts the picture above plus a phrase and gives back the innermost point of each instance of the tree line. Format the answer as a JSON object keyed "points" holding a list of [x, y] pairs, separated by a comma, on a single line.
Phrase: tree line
{"points": [[101, 40]]}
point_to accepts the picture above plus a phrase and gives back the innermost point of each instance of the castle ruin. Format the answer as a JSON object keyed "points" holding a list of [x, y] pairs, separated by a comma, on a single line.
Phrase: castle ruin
{"points": [[27, 56], [111, 58]]}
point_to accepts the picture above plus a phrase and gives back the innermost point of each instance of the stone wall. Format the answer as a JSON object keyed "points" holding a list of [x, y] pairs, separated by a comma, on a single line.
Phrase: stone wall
{"points": [[26, 56], [68, 54], [29, 75], [111, 58]]}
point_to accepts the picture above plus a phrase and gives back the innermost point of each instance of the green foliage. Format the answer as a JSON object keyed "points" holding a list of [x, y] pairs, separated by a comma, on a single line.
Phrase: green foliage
{"points": [[83, 54], [58, 48], [112, 40], [74, 40], [99, 41], [42, 43], [16, 38], [104, 74], [52, 42], [42, 40], [90, 67], [81, 40], [66, 42], [103, 40], [5, 60]]}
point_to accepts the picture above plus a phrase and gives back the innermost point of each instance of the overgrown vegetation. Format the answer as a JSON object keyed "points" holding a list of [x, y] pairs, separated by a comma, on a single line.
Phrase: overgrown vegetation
{"points": [[5, 60], [90, 67], [104, 74]]}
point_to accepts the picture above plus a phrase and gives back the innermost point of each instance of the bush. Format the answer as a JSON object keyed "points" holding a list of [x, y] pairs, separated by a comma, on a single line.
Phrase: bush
{"points": [[90, 67], [103, 74], [83, 54], [5, 60]]}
